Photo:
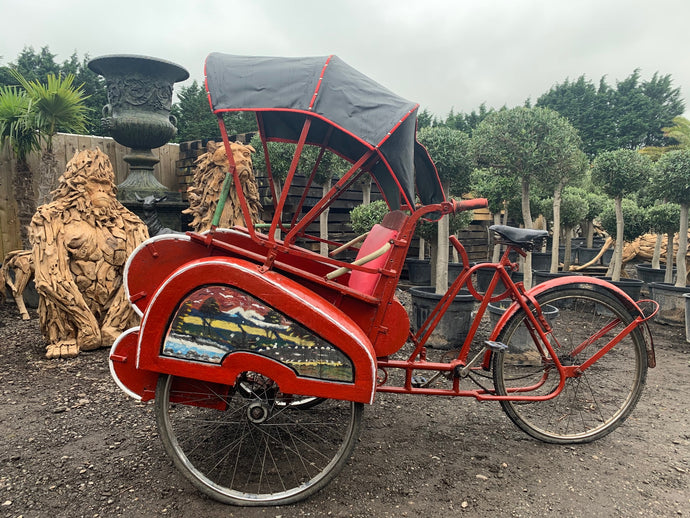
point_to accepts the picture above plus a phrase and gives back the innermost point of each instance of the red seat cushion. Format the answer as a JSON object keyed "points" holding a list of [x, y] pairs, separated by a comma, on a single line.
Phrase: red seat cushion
{"points": [[378, 236]]}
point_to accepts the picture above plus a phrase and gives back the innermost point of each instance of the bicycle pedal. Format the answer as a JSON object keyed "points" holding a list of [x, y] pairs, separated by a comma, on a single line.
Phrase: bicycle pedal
{"points": [[419, 381], [496, 347]]}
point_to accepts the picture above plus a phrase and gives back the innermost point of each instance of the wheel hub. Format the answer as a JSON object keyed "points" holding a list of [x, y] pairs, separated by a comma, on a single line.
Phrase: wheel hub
{"points": [[257, 412]]}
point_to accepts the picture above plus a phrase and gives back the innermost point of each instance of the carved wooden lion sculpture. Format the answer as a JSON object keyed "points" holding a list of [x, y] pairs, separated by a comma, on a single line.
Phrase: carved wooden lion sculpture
{"points": [[210, 171], [80, 244]]}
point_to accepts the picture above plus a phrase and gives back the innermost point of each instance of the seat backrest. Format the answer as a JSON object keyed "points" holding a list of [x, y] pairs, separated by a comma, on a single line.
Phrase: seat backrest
{"points": [[378, 236]]}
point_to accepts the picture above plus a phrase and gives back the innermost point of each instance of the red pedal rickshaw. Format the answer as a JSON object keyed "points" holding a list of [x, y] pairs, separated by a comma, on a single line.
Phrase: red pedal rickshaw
{"points": [[260, 354]]}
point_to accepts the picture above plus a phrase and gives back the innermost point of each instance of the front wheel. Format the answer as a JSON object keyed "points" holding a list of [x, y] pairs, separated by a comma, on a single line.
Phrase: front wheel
{"points": [[591, 404], [249, 446]]}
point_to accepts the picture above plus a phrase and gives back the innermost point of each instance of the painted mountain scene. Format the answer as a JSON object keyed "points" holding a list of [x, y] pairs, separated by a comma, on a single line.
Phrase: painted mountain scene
{"points": [[213, 321]]}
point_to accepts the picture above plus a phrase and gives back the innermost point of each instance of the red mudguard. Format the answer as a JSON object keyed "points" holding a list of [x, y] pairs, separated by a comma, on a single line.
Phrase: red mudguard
{"points": [[583, 281], [213, 318]]}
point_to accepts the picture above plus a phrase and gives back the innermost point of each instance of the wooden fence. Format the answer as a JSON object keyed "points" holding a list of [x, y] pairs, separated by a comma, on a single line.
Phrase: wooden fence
{"points": [[174, 171], [65, 146]]}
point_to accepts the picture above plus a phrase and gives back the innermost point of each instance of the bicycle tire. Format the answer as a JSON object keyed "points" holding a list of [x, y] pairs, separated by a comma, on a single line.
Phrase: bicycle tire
{"points": [[591, 405], [245, 449]]}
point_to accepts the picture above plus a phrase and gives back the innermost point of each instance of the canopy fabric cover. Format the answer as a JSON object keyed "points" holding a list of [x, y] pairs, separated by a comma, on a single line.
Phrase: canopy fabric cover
{"points": [[360, 114]]}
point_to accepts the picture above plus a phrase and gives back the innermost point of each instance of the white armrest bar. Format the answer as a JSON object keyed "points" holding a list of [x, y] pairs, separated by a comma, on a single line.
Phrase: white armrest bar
{"points": [[359, 262]]}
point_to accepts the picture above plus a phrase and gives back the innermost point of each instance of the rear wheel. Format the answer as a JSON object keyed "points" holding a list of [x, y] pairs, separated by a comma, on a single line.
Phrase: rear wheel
{"points": [[592, 404], [251, 446]]}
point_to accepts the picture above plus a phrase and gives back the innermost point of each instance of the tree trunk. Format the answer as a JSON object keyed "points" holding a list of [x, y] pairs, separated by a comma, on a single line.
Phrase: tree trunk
{"points": [[497, 247], [568, 249], [433, 254], [527, 218], [323, 220], [442, 256], [682, 246], [589, 241], [48, 177], [618, 250], [656, 256], [555, 237], [26, 202], [422, 252], [668, 275], [366, 190]]}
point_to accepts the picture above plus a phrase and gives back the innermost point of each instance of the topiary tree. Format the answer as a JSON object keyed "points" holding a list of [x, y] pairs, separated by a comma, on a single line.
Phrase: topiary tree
{"points": [[595, 204], [636, 224], [573, 209], [363, 217], [618, 173], [571, 168], [430, 231], [527, 144], [663, 219], [451, 152], [500, 191], [673, 170]]}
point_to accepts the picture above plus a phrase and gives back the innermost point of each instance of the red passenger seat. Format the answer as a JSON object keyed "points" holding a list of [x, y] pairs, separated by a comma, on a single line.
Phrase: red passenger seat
{"points": [[378, 236]]}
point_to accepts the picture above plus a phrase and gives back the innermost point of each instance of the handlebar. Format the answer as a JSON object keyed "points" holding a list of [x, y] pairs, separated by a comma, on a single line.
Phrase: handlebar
{"points": [[476, 203]]}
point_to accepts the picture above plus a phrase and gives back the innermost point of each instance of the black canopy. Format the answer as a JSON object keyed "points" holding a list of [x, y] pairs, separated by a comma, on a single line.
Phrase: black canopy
{"points": [[361, 114]]}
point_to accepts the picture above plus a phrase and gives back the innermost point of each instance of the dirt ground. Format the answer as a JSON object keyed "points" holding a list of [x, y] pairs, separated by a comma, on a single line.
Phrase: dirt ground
{"points": [[72, 444]]}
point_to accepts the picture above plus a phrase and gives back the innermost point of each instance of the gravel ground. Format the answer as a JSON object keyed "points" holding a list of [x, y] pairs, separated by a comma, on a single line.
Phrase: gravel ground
{"points": [[72, 444]]}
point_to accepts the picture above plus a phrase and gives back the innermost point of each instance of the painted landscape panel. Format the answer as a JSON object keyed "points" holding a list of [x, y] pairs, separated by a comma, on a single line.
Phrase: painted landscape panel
{"points": [[216, 320]]}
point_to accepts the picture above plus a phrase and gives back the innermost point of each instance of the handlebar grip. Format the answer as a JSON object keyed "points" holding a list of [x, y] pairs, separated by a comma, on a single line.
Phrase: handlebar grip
{"points": [[476, 203]]}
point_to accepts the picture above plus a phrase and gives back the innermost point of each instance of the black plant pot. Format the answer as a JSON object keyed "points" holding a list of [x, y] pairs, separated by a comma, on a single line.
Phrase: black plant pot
{"points": [[483, 279], [454, 270], [419, 271], [541, 261], [539, 276], [647, 274], [632, 287], [573, 254], [455, 323], [585, 255], [671, 303], [606, 258]]}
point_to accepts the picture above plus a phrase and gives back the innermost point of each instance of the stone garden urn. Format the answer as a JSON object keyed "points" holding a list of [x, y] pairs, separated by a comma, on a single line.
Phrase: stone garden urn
{"points": [[138, 115]]}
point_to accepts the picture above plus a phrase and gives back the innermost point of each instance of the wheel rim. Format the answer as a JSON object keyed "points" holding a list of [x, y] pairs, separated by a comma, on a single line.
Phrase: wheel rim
{"points": [[259, 449], [591, 405]]}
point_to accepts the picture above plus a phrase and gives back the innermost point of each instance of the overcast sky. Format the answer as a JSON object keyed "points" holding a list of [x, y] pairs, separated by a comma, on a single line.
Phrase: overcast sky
{"points": [[452, 54]]}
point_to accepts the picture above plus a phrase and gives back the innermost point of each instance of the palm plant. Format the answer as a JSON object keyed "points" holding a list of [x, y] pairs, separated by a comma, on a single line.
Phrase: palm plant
{"points": [[17, 131], [57, 105]]}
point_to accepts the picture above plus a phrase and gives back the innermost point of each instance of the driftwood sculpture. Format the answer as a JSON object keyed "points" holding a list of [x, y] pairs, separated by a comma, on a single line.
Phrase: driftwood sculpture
{"points": [[210, 171], [80, 244], [17, 270]]}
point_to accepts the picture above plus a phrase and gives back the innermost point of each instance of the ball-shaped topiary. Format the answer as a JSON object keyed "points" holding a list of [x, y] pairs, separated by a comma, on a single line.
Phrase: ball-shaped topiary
{"points": [[635, 217], [363, 217]]}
